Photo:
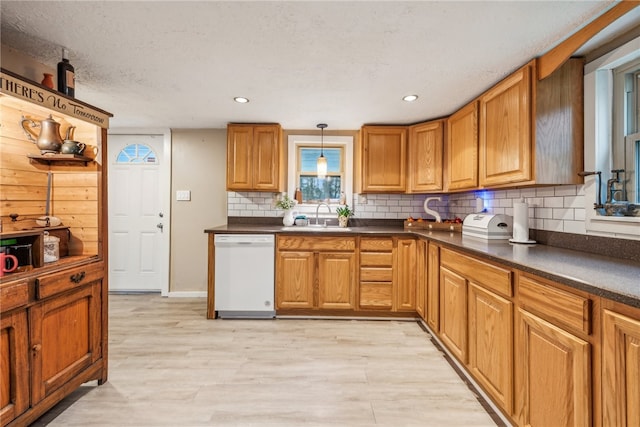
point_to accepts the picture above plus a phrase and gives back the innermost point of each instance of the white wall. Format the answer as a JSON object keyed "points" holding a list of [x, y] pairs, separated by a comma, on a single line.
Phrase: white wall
{"points": [[198, 165]]}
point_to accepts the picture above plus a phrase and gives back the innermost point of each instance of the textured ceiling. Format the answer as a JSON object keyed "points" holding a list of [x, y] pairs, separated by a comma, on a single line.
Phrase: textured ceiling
{"points": [[346, 63]]}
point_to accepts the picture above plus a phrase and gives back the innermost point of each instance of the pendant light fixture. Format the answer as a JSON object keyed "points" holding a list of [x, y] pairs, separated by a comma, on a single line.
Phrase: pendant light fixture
{"points": [[321, 164]]}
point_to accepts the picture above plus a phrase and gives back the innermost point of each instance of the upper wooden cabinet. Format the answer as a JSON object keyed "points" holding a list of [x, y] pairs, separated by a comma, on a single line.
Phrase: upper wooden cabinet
{"points": [[425, 157], [383, 159], [505, 135], [620, 365], [255, 158], [462, 149], [523, 145]]}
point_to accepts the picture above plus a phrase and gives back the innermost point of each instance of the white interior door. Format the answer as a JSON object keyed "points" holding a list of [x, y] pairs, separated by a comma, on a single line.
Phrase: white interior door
{"points": [[139, 196]]}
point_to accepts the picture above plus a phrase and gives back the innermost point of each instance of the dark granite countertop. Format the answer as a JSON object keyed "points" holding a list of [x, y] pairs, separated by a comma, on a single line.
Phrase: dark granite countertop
{"points": [[612, 278]]}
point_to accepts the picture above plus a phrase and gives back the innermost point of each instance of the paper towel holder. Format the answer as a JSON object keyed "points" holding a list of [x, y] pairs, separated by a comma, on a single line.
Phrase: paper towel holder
{"points": [[518, 226]]}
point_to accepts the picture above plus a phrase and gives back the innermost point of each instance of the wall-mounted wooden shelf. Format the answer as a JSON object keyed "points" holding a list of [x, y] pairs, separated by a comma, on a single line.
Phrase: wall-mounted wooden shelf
{"points": [[58, 158]]}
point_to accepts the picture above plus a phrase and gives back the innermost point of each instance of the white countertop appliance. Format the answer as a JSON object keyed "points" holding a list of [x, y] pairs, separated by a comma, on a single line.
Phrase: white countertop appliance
{"points": [[487, 226], [244, 276]]}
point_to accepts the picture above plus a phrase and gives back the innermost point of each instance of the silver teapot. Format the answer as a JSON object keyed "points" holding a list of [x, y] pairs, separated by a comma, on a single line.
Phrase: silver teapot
{"points": [[49, 140]]}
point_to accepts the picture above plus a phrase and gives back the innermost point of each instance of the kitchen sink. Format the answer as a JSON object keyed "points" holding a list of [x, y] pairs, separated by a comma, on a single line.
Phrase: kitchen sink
{"points": [[316, 228]]}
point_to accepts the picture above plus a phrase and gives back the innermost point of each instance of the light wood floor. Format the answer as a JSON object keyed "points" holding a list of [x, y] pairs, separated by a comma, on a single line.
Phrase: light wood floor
{"points": [[169, 366]]}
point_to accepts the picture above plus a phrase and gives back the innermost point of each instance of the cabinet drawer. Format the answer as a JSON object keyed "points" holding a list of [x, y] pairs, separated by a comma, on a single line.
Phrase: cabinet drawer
{"points": [[71, 278], [376, 274], [490, 276], [376, 295], [14, 294], [555, 305], [376, 259], [316, 243], [367, 244]]}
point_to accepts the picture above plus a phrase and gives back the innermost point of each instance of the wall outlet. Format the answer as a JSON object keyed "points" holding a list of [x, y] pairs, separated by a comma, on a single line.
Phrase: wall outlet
{"points": [[183, 195]]}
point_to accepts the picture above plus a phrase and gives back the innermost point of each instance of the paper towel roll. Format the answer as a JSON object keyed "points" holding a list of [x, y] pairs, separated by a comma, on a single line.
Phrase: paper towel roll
{"points": [[521, 223]]}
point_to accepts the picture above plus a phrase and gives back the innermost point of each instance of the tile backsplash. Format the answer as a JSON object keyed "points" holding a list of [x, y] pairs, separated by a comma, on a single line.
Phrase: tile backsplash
{"points": [[558, 209]]}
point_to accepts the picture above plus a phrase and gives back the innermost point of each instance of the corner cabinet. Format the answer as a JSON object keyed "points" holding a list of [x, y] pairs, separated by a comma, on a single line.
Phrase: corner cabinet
{"points": [[383, 154], [53, 310], [461, 167], [425, 157], [255, 158]]}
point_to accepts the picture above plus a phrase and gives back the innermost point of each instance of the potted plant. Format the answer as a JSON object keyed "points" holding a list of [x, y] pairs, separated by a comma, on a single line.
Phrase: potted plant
{"points": [[287, 204], [344, 212]]}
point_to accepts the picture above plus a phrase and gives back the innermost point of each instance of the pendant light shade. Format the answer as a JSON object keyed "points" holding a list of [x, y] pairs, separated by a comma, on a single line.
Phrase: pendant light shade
{"points": [[321, 164]]}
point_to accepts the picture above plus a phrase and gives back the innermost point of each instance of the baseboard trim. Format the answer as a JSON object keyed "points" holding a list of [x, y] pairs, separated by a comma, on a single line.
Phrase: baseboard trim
{"points": [[187, 294]]}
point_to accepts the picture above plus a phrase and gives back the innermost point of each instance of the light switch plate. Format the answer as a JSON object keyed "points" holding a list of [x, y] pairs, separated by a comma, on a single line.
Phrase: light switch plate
{"points": [[183, 195]]}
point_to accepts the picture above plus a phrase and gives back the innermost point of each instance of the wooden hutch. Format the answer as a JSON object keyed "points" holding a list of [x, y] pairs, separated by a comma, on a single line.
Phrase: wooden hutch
{"points": [[53, 313]]}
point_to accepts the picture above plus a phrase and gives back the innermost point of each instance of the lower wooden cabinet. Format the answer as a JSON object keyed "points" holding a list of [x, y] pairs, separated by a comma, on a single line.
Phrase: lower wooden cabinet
{"points": [[376, 274], [406, 274], [621, 368], [553, 374], [421, 279], [453, 312], [52, 338], [316, 273], [491, 343], [388, 273], [336, 280], [433, 287], [14, 365], [65, 338], [295, 275]]}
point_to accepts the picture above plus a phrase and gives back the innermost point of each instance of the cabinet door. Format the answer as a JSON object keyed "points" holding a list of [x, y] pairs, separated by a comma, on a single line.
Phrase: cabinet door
{"points": [[406, 272], [433, 287], [384, 158], [453, 313], [239, 157], [421, 279], [425, 157], [266, 158], [553, 374], [14, 366], [491, 343], [462, 148], [620, 370], [336, 280], [294, 283], [505, 131], [65, 337]]}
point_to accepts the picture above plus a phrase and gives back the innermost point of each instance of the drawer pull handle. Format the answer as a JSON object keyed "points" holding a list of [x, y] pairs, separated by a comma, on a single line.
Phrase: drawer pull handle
{"points": [[36, 348], [77, 278]]}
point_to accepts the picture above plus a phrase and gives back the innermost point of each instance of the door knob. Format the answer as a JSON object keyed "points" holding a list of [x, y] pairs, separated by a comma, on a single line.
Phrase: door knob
{"points": [[161, 215]]}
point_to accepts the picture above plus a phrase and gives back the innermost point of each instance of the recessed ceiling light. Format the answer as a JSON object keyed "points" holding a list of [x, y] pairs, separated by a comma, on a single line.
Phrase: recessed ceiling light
{"points": [[241, 99], [410, 98]]}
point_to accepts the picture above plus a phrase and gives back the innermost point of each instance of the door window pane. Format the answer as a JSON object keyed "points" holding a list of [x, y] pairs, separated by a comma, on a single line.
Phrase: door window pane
{"points": [[136, 153]]}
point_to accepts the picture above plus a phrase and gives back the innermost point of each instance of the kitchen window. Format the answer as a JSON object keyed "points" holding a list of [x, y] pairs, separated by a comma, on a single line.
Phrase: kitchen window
{"points": [[626, 125], [303, 151], [315, 189]]}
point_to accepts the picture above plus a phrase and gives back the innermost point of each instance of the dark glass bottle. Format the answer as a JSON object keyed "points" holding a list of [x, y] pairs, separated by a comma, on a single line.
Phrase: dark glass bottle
{"points": [[66, 75]]}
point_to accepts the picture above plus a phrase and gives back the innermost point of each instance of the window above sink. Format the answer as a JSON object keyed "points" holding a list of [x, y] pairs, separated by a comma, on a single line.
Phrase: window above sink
{"points": [[611, 138]]}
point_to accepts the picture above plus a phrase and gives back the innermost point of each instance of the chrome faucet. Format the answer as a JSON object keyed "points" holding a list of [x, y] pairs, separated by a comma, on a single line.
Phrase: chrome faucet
{"points": [[611, 187], [318, 208]]}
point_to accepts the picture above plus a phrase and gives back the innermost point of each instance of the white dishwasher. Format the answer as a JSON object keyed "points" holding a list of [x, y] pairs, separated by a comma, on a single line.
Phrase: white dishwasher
{"points": [[244, 275]]}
